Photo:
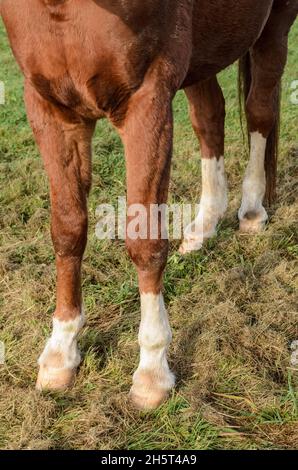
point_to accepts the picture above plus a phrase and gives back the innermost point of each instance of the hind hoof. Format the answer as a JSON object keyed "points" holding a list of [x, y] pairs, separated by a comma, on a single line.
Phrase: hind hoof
{"points": [[253, 222], [190, 245]]}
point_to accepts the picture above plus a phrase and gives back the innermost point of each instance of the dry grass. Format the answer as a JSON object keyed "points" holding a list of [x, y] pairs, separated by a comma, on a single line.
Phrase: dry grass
{"points": [[233, 306]]}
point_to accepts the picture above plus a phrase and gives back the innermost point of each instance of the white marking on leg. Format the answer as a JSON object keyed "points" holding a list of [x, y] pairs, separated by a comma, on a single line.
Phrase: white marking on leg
{"points": [[64, 341], [155, 333], [213, 204], [223, 187], [61, 355], [153, 378], [252, 214]]}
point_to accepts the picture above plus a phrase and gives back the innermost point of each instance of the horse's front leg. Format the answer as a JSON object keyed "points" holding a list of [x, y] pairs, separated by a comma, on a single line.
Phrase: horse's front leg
{"points": [[147, 136], [64, 141]]}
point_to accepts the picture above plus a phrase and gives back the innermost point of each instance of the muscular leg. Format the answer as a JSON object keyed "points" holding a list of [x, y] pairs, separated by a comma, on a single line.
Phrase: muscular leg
{"points": [[147, 136], [268, 58], [207, 111], [64, 141]]}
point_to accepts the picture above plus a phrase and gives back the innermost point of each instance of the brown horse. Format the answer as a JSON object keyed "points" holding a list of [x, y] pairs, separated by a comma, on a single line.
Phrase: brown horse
{"points": [[125, 60]]}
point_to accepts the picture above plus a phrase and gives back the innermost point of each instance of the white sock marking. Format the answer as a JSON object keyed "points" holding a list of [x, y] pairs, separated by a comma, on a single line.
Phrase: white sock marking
{"points": [[154, 339], [63, 342], [213, 204], [254, 184]]}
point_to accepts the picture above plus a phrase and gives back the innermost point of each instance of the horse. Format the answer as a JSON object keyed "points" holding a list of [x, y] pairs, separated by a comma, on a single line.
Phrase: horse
{"points": [[124, 60]]}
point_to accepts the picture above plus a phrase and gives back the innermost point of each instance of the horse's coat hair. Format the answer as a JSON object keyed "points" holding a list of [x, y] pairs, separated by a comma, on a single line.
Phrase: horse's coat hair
{"points": [[125, 60]]}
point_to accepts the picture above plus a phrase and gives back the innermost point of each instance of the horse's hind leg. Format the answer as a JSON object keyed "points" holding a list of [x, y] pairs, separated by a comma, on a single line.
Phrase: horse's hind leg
{"points": [[207, 111], [262, 73], [64, 143]]}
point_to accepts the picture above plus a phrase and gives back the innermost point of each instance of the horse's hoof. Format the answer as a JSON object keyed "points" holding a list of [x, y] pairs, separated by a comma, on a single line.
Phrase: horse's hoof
{"points": [[150, 391], [149, 401], [252, 225], [253, 221], [190, 245], [50, 378]]}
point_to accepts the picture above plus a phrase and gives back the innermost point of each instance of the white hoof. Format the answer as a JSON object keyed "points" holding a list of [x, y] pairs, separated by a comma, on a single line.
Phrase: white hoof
{"points": [[189, 245], [149, 390], [253, 222], [50, 378]]}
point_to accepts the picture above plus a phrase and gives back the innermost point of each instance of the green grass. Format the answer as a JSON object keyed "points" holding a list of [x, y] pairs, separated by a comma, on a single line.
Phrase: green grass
{"points": [[232, 306]]}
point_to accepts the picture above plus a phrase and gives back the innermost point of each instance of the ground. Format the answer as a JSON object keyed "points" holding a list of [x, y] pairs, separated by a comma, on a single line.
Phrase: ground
{"points": [[232, 305]]}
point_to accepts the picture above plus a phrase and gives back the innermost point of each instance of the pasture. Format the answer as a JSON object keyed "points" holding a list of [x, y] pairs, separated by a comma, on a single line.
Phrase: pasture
{"points": [[232, 306]]}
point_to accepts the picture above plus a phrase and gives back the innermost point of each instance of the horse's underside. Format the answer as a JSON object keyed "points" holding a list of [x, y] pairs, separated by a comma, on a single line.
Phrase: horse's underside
{"points": [[125, 60]]}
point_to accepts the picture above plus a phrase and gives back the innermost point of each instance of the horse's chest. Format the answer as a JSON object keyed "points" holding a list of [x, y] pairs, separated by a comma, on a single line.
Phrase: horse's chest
{"points": [[84, 75], [86, 60], [90, 90]]}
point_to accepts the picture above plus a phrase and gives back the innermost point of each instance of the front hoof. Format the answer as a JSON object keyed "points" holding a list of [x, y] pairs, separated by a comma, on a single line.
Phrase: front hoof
{"points": [[150, 401], [149, 392], [56, 379]]}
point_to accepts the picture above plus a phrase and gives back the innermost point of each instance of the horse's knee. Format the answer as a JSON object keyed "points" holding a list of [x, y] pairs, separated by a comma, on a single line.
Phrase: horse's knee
{"points": [[148, 255], [69, 234]]}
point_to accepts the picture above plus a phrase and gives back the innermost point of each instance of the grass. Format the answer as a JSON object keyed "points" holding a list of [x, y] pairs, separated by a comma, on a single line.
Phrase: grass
{"points": [[233, 305]]}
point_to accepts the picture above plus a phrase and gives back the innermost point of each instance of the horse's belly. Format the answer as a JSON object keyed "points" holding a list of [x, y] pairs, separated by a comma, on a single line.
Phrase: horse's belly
{"points": [[223, 30]]}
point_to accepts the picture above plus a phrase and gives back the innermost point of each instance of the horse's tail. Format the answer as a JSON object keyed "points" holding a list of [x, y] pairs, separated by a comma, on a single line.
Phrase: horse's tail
{"points": [[271, 156]]}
